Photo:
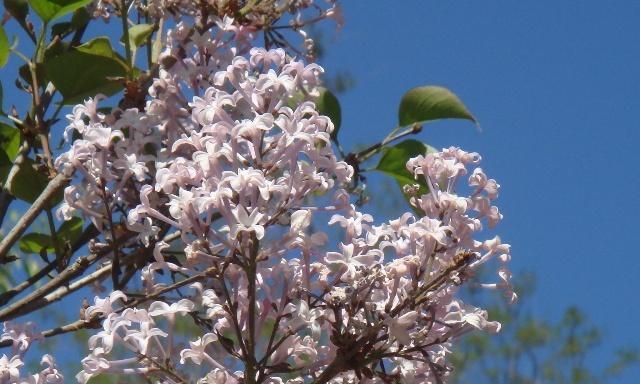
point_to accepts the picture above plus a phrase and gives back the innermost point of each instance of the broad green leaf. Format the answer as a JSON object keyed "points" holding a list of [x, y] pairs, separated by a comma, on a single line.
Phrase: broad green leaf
{"points": [[102, 379], [328, 105], [138, 34], [9, 141], [9, 146], [100, 46], [4, 48], [29, 183], [394, 163], [5, 279], [80, 18], [431, 103], [56, 48], [52, 9], [85, 71], [19, 9], [62, 28], [70, 230], [35, 242], [394, 160]]}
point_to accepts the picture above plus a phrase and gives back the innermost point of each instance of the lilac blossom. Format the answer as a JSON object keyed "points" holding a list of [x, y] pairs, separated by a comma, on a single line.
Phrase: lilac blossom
{"points": [[226, 156]]}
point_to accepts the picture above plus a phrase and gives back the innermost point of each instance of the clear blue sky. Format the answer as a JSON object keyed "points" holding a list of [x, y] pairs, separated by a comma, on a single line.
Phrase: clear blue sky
{"points": [[556, 88]]}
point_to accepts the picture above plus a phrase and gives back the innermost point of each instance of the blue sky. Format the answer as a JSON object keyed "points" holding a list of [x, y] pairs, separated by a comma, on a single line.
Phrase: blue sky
{"points": [[556, 88]]}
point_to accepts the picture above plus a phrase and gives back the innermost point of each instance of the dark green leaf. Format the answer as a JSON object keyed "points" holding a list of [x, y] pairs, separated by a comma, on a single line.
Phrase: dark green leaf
{"points": [[394, 163], [5, 279], [29, 183], [51, 9], [431, 103], [25, 74], [394, 160], [71, 230], [328, 105], [85, 71], [9, 146], [138, 34], [35, 242], [62, 29], [80, 18], [19, 9], [100, 46], [55, 49], [4, 48], [9, 141]]}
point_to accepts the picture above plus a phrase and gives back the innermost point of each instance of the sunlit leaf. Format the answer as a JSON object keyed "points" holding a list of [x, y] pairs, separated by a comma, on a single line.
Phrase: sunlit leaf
{"points": [[29, 183], [394, 160], [431, 103], [9, 146], [71, 230], [4, 48], [9, 141], [328, 105], [86, 71], [138, 34], [35, 242], [52, 9]]}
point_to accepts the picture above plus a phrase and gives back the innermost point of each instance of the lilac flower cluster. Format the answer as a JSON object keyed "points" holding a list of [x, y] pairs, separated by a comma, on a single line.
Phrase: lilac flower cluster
{"points": [[21, 337], [247, 17], [216, 193], [236, 171]]}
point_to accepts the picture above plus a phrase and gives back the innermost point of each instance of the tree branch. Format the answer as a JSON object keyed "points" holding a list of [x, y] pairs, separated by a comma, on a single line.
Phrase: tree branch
{"points": [[92, 323], [57, 183]]}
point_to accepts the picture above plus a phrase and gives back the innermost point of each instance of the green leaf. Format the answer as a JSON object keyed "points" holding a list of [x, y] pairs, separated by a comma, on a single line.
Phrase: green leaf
{"points": [[78, 21], [9, 141], [35, 242], [5, 279], [62, 28], [71, 230], [394, 163], [51, 9], [85, 71], [431, 103], [19, 9], [4, 48], [328, 105], [9, 146], [138, 34], [394, 160], [28, 184], [100, 46], [80, 18]]}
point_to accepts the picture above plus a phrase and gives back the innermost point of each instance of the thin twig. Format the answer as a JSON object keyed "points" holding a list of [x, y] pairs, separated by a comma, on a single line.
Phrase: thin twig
{"points": [[92, 323]]}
